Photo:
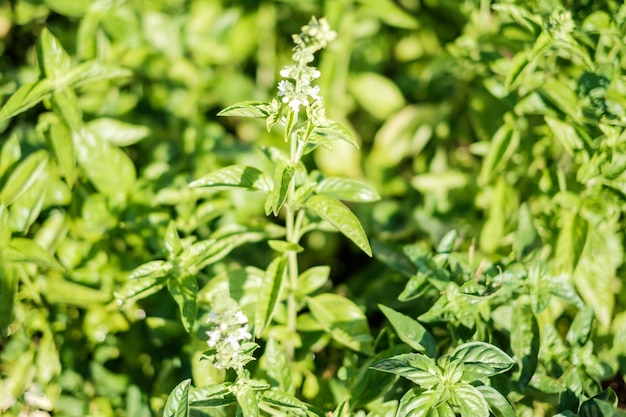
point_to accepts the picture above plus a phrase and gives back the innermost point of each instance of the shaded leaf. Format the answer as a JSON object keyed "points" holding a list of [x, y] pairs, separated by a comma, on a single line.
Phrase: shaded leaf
{"points": [[498, 404], [283, 174], [213, 395], [580, 329], [278, 368], [410, 331], [344, 320], [525, 341]]}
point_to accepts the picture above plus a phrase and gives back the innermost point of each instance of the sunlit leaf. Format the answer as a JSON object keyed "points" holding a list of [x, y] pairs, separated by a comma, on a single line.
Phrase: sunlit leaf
{"points": [[177, 404], [116, 132], [30, 170], [247, 402], [184, 290], [278, 369], [340, 216], [269, 294], [257, 109], [283, 174], [498, 404], [481, 360], [347, 189], [236, 176], [470, 401], [334, 131], [53, 60]]}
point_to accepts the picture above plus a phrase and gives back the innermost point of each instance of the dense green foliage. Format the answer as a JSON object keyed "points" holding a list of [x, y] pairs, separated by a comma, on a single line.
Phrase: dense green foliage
{"points": [[442, 235]]}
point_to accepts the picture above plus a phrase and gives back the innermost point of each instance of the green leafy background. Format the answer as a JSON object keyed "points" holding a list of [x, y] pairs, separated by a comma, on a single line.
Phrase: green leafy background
{"points": [[493, 132]]}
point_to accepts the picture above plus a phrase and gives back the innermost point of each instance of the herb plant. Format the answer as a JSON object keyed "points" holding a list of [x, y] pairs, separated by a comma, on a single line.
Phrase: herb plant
{"points": [[428, 222]]}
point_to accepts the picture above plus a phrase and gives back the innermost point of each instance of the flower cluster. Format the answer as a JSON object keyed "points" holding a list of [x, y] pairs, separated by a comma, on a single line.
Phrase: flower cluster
{"points": [[300, 92], [228, 335]]}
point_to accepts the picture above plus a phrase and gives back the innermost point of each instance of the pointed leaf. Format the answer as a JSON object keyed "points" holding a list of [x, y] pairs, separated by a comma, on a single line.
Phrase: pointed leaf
{"points": [[312, 279], [415, 367], [52, 59], [257, 109], [64, 150], [498, 404], [27, 96], [246, 398], [525, 341], [344, 320], [410, 331], [580, 329], [470, 401], [269, 294], [146, 280], [27, 250], [283, 175], [65, 104], [278, 367], [502, 147], [90, 71], [8, 289], [30, 170], [347, 189], [236, 176], [334, 131], [340, 216], [173, 247], [481, 360], [418, 403], [213, 395], [177, 404], [184, 290], [116, 132]]}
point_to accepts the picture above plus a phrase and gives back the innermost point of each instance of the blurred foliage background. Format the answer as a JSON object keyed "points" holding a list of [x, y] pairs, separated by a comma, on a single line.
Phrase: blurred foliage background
{"points": [[486, 117]]}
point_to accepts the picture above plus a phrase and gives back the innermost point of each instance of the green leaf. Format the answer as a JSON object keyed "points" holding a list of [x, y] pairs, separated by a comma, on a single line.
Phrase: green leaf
{"points": [[246, 399], [526, 238], [481, 360], [502, 147], [10, 153], [214, 249], [236, 176], [339, 216], [278, 367], [65, 104], [416, 367], [565, 134], [282, 246], [91, 71], [570, 242], [333, 131], [53, 61], [525, 341], [539, 279], [27, 250], [116, 132], [286, 401], [30, 170], [59, 291], [184, 290], [376, 93], [343, 320], [173, 247], [418, 403], [347, 189], [8, 290], [99, 159], [283, 175], [64, 150], [26, 209], [498, 404], [177, 404], [145, 280], [257, 109], [470, 401], [213, 395], [27, 96], [312, 280], [447, 242], [410, 331], [580, 329], [269, 294]]}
